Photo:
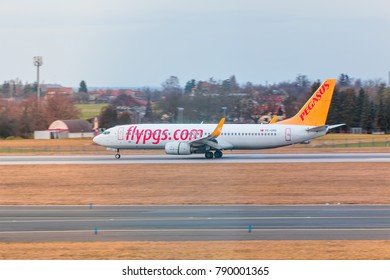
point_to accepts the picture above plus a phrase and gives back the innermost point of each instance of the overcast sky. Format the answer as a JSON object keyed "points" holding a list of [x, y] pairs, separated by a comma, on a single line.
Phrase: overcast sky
{"points": [[143, 42]]}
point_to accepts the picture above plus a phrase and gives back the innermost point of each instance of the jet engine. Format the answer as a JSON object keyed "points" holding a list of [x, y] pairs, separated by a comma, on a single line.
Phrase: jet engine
{"points": [[178, 148]]}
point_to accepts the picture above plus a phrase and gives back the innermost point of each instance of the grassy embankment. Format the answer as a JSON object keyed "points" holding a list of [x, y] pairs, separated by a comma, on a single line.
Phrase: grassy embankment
{"points": [[89, 111]]}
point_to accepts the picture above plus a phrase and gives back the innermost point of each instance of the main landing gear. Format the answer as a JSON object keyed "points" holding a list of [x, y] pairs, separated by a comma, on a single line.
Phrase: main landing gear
{"points": [[216, 154], [118, 155]]}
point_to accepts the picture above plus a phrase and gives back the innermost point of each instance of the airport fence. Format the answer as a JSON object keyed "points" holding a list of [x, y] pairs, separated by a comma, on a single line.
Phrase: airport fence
{"points": [[350, 142]]}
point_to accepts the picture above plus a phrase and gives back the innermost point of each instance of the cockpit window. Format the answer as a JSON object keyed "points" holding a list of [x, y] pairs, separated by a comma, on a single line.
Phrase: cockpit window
{"points": [[106, 132]]}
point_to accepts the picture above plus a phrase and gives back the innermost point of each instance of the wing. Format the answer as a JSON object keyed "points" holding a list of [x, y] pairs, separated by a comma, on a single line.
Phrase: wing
{"points": [[210, 140]]}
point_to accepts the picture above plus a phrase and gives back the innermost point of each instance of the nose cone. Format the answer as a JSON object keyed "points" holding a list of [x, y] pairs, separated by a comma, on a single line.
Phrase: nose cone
{"points": [[97, 139]]}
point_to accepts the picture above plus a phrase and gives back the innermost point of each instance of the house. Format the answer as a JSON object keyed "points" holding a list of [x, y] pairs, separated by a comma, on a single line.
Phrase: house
{"points": [[64, 91], [66, 129]]}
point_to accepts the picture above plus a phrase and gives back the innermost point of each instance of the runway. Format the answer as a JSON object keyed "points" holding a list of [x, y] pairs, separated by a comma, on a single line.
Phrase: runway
{"points": [[192, 223], [192, 159]]}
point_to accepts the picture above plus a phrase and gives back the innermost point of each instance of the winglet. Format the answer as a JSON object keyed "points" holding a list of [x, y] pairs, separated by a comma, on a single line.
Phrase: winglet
{"points": [[315, 111], [274, 119], [218, 129]]}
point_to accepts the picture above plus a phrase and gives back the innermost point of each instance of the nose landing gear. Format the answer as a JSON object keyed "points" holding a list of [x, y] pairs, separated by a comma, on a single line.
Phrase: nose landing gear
{"points": [[118, 155]]}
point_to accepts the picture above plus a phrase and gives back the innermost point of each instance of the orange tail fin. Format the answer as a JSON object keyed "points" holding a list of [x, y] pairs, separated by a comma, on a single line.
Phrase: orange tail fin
{"points": [[315, 111]]}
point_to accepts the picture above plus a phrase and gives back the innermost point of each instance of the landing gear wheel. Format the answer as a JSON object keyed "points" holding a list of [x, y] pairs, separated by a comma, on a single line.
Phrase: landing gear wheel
{"points": [[117, 156], [218, 154], [209, 155]]}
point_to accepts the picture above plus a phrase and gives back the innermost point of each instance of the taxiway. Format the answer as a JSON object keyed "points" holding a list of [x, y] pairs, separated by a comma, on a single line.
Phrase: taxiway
{"points": [[188, 223]]}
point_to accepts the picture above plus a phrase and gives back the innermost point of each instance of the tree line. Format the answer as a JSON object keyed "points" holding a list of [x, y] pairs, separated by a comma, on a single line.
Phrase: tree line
{"points": [[358, 103], [363, 106]]}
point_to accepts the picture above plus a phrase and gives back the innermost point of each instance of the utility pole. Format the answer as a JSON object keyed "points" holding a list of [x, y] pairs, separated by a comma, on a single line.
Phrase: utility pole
{"points": [[180, 118], [38, 62]]}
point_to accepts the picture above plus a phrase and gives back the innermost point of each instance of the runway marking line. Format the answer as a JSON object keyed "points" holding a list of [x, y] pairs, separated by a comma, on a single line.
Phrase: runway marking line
{"points": [[200, 230], [186, 219]]}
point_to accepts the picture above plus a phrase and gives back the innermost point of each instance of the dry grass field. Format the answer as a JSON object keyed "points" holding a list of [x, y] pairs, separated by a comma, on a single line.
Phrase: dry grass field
{"points": [[214, 250], [273, 183]]}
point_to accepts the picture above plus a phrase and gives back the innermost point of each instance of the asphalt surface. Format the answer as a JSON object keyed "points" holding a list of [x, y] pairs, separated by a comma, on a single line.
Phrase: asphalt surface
{"points": [[227, 158], [186, 223]]}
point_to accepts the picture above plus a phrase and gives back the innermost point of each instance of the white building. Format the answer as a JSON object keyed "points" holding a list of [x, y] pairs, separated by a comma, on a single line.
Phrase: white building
{"points": [[66, 129]]}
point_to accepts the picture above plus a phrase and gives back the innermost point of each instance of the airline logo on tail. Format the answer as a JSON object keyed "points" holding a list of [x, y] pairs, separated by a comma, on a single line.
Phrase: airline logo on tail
{"points": [[314, 100], [315, 111]]}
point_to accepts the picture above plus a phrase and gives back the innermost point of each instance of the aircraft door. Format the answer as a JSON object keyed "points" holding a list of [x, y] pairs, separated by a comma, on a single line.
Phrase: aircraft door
{"points": [[288, 134], [120, 133]]}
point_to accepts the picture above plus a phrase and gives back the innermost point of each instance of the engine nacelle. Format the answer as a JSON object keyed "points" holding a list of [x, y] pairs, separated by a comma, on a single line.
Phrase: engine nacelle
{"points": [[178, 148]]}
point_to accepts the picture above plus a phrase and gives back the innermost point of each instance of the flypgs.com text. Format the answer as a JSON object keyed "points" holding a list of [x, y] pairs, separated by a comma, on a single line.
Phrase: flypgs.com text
{"points": [[158, 135]]}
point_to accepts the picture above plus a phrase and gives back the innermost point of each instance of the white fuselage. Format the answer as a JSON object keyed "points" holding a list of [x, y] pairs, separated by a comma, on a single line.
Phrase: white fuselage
{"points": [[233, 136]]}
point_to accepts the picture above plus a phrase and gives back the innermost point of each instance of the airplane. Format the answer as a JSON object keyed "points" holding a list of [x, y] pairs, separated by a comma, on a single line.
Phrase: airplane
{"points": [[211, 140]]}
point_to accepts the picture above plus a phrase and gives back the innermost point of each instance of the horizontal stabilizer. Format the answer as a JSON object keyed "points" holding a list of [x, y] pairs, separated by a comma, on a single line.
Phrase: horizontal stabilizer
{"points": [[317, 128], [335, 125], [323, 127]]}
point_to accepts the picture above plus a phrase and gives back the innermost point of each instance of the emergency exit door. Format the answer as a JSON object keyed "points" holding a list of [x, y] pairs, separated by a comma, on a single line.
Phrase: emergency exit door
{"points": [[288, 134]]}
